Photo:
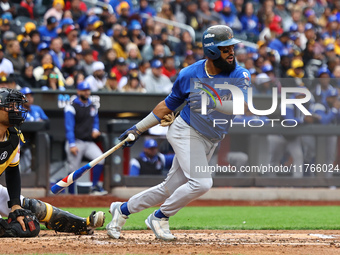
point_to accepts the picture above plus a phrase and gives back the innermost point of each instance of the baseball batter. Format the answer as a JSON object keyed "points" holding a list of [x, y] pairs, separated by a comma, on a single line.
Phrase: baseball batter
{"points": [[24, 214], [192, 134]]}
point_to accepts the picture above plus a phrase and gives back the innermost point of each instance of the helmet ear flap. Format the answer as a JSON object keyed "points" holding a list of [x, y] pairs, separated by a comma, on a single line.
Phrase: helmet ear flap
{"points": [[214, 53]]}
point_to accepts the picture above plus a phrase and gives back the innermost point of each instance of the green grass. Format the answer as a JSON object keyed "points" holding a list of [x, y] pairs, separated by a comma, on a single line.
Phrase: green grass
{"points": [[237, 217]]}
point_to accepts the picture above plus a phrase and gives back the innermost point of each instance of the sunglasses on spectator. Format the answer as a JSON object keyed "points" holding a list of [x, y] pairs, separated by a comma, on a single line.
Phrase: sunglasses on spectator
{"points": [[54, 75]]}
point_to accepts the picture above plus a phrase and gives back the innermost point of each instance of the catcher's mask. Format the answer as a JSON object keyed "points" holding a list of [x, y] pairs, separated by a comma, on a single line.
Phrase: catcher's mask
{"points": [[12, 102]]}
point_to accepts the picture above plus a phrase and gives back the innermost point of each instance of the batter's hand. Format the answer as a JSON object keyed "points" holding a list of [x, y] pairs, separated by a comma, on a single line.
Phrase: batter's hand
{"points": [[133, 130], [195, 102]]}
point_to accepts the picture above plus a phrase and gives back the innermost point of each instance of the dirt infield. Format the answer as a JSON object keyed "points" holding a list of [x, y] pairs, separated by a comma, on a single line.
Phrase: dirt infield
{"points": [[188, 242]]}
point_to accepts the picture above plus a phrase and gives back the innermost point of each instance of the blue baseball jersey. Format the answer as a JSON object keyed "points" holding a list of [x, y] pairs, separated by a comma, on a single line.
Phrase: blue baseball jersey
{"points": [[186, 83], [36, 113]]}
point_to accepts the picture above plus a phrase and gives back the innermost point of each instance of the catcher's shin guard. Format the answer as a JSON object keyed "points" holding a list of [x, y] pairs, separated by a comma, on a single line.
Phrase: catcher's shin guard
{"points": [[57, 219]]}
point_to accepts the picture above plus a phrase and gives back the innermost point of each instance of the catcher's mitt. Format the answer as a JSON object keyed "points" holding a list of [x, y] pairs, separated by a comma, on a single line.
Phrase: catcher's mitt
{"points": [[3, 226], [14, 228], [168, 119]]}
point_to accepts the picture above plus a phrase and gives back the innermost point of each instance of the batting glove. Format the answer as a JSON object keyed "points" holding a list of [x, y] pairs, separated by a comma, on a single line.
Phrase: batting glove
{"points": [[195, 102], [133, 130]]}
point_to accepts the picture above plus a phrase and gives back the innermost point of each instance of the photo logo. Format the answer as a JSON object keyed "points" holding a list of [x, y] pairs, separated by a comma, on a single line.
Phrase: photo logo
{"points": [[238, 99]]}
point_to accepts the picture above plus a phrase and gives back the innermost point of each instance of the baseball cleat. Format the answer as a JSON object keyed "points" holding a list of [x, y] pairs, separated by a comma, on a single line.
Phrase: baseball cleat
{"points": [[98, 191], [160, 227], [117, 222]]}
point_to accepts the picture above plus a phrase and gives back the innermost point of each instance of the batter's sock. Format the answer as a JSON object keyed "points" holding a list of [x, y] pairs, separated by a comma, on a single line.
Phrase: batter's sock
{"points": [[96, 172], [124, 209], [159, 214]]}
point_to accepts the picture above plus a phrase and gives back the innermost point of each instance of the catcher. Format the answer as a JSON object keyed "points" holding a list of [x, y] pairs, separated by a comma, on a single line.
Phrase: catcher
{"points": [[24, 214]]}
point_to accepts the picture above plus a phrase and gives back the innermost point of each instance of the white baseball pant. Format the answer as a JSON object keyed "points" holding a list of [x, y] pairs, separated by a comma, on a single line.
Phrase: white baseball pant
{"points": [[180, 187]]}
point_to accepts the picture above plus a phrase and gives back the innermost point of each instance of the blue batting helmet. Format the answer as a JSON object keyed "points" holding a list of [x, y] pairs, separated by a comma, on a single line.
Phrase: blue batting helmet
{"points": [[216, 36]]}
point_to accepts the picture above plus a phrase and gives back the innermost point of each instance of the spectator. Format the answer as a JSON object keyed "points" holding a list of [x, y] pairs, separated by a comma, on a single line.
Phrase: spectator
{"points": [[123, 12], [134, 84], [27, 6], [50, 79], [284, 66], [133, 53], [56, 53], [7, 6], [144, 67], [87, 61], [117, 30], [42, 50], [111, 84], [184, 45], [30, 47], [56, 10], [120, 45], [69, 69], [78, 9], [178, 9], [78, 78], [155, 81], [46, 64], [115, 4], [120, 69], [72, 40], [169, 68], [4, 27], [26, 79], [189, 59], [230, 18], [95, 44], [209, 17], [250, 23], [132, 69], [308, 35], [82, 129], [6, 66], [145, 8], [25, 36], [48, 32], [136, 34], [281, 44], [323, 85], [166, 13], [109, 60], [280, 10], [13, 54], [34, 113], [97, 80], [297, 73], [150, 161], [192, 18], [104, 41]]}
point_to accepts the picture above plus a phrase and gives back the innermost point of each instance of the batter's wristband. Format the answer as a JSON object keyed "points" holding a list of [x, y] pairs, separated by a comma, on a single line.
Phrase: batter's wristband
{"points": [[148, 122]]}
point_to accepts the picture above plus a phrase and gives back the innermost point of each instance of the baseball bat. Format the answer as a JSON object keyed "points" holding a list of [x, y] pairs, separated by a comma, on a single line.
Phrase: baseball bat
{"points": [[68, 180]]}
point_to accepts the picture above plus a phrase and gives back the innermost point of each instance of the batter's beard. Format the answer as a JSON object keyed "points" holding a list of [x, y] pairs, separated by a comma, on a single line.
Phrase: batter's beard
{"points": [[224, 65]]}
